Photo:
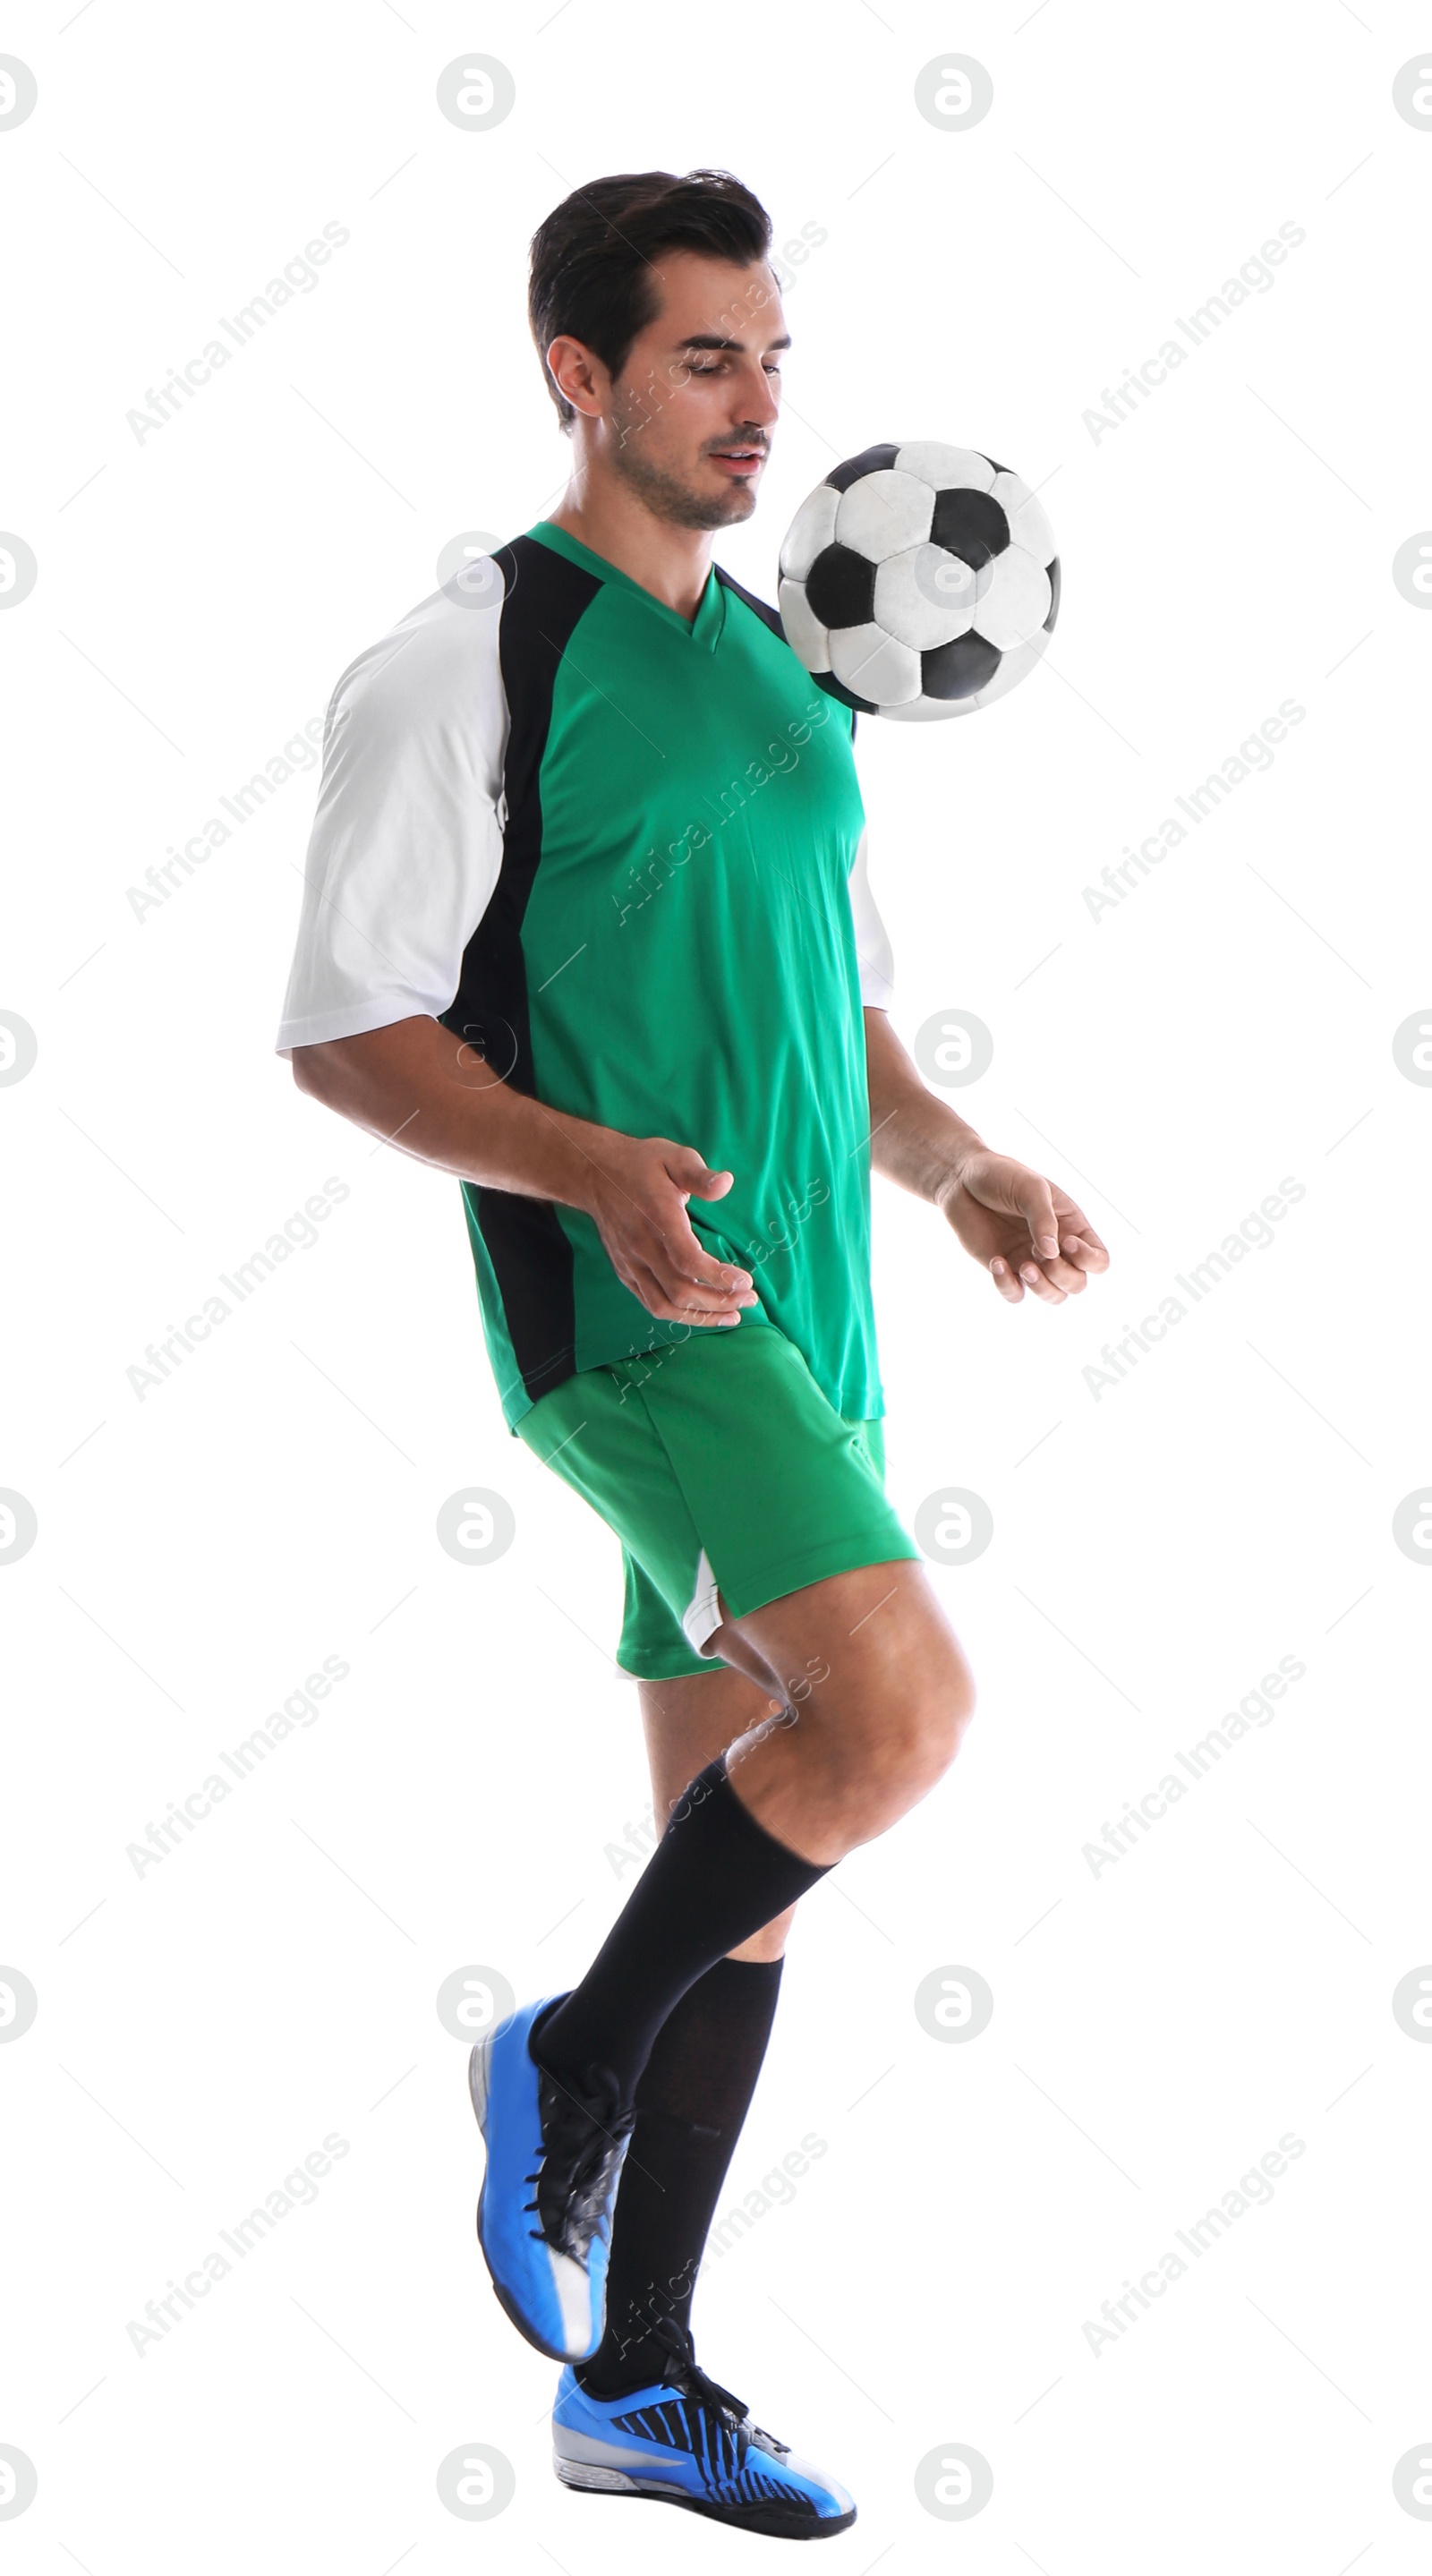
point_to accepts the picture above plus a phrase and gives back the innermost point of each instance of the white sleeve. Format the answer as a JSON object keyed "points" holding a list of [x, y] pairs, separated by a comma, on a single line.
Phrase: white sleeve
{"points": [[872, 944], [407, 840]]}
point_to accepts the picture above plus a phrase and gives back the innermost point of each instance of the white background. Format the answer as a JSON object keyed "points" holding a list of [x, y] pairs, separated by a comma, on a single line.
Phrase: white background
{"points": [[1229, 1502]]}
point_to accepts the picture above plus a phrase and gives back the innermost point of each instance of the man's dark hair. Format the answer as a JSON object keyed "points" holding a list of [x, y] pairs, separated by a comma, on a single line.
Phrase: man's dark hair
{"points": [[595, 267]]}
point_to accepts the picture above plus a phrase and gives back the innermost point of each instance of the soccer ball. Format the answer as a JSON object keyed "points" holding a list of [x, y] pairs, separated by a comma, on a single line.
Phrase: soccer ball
{"points": [[919, 581]]}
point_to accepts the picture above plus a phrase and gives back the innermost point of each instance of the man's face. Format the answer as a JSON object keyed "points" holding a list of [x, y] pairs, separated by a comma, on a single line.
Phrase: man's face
{"points": [[703, 380]]}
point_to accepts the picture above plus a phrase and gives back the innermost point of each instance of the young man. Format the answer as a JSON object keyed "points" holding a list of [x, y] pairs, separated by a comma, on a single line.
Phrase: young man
{"points": [[586, 923]]}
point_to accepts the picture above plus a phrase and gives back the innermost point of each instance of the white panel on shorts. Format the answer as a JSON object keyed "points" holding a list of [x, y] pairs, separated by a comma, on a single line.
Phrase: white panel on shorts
{"points": [[407, 840], [702, 1616], [872, 944]]}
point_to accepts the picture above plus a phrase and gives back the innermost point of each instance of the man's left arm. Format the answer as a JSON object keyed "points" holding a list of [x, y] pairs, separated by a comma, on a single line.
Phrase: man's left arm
{"points": [[1026, 1231]]}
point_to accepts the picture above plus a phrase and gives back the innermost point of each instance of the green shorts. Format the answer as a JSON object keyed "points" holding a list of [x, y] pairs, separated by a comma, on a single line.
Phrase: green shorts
{"points": [[718, 1462]]}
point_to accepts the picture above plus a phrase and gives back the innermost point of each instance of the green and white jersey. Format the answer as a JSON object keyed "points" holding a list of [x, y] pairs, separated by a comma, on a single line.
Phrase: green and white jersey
{"points": [[623, 855]]}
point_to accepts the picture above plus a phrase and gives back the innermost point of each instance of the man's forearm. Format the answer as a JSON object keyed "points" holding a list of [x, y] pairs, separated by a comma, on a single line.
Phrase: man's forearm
{"points": [[424, 1091], [916, 1139]]}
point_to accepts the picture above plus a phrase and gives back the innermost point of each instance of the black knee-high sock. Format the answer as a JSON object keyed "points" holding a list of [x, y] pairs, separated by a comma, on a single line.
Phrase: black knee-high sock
{"points": [[691, 2101], [714, 1878]]}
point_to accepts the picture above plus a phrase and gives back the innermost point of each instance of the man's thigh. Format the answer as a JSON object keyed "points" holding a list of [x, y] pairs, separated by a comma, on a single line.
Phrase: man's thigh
{"points": [[858, 1640], [596, 1433], [719, 1463], [782, 1490]]}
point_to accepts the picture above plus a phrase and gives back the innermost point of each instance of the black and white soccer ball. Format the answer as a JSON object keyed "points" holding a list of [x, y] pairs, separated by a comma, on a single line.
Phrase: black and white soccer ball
{"points": [[919, 581]]}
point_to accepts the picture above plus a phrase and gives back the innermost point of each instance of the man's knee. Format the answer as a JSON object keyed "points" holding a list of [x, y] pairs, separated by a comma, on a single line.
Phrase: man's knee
{"points": [[915, 1736], [902, 1727], [886, 1694]]}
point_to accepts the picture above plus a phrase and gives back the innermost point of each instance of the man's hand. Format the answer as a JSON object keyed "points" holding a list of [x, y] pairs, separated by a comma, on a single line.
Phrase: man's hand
{"points": [[637, 1198], [1025, 1230]]}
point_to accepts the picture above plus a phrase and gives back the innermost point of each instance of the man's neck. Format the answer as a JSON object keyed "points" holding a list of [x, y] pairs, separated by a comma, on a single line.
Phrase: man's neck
{"points": [[672, 562]]}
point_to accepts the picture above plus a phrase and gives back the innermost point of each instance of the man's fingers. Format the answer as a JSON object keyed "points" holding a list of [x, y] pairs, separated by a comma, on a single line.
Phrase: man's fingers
{"points": [[1073, 1222], [1036, 1206], [710, 1283], [1084, 1249], [688, 1275], [650, 1240], [1039, 1284], [1067, 1275], [678, 1248], [680, 1306], [693, 1175], [692, 1296], [1064, 1252]]}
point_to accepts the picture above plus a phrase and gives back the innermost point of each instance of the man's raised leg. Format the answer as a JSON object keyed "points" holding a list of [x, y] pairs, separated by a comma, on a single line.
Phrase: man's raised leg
{"points": [[878, 1697]]}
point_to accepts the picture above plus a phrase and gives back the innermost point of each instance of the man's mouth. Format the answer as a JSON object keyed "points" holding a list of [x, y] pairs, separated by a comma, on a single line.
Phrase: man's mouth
{"points": [[740, 460]]}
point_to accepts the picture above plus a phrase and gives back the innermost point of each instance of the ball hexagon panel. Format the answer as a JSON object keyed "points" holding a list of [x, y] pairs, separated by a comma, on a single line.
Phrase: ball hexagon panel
{"points": [[926, 596], [938, 465], [810, 531], [1017, 601], [869, 661], [882, 514], [807, 638]]}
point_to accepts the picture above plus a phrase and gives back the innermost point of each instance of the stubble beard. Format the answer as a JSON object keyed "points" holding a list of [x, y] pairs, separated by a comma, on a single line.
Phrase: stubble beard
{"points": [[666, 497]]}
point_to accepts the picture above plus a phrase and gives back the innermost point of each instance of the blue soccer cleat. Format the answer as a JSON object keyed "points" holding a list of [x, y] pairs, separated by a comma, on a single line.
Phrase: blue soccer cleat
{"points": [[685, 2441], [554, 2159]]}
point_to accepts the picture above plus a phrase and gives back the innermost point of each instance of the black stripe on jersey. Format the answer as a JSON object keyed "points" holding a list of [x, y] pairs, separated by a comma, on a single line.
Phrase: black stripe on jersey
{"points": [[770, 617], [545, 598]]}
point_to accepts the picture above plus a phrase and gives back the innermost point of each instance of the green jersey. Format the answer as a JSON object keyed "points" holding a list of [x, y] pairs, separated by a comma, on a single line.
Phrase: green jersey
{"points": [[616, 851]]}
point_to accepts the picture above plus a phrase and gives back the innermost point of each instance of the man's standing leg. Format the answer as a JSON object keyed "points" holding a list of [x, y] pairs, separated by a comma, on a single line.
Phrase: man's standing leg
{"points": [[695, 2091]]}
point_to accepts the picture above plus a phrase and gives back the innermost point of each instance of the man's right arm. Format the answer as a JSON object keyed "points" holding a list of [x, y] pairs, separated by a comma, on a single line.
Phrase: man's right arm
{"points": [[426, 1092]]}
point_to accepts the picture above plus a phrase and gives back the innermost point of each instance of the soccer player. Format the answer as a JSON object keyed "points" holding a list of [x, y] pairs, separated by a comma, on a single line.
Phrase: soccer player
{"points": [[587, 923]]}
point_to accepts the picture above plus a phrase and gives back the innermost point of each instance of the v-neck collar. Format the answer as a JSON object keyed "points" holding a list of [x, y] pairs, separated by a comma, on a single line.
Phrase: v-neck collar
{"points": [[704, 630]]}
